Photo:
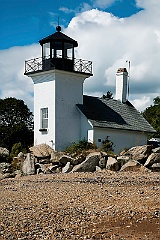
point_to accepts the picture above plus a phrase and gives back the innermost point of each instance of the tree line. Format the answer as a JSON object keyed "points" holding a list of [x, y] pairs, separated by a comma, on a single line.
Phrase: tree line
{"points": [[152, 115], [16, 124]]}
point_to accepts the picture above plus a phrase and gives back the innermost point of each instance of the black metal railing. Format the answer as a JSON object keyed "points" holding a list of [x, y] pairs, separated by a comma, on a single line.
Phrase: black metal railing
{"points": [[40, 64]]}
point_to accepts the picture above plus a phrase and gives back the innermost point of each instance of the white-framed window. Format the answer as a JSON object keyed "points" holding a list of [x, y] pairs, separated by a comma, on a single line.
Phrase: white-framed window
{"points": [[44, 118]]}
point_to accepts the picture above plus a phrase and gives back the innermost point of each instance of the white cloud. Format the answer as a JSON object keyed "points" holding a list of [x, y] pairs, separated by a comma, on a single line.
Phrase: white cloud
{"points": [[84, 7], [12, 80], [109, 41], [103, 3], [142, 103], [81, 8], [66, 10], [147, 4]]}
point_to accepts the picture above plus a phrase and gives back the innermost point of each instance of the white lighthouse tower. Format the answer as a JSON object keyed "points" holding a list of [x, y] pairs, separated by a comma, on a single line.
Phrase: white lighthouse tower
{"points": [[58, 86]]}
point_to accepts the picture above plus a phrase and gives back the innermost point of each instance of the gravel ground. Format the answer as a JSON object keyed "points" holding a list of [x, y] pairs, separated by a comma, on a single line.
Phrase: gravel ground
{"points": [[100, 205]]}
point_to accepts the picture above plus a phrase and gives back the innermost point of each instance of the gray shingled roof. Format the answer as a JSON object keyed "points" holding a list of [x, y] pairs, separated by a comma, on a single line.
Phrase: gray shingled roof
{"points": [[110, 113]]}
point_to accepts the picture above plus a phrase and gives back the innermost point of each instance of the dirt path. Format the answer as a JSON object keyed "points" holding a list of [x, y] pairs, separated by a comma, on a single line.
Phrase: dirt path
{"points": [[101, 205]]}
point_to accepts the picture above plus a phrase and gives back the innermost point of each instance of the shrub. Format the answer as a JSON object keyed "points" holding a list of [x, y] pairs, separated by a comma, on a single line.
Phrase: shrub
{"points": [[107, 146], [77, 148], [17, 148], [16, 162]]}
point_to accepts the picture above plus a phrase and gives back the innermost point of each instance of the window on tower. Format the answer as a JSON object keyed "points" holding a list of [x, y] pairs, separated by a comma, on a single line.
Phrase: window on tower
{"points": [[44, 118]]}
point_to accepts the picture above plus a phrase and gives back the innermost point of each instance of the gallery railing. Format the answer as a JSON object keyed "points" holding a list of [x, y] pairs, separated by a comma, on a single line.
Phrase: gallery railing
{"points": [[40, 64]]}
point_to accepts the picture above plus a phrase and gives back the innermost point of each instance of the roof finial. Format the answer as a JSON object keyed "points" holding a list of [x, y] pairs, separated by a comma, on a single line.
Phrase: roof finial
{"points": [[58, 28], [58, 20]]}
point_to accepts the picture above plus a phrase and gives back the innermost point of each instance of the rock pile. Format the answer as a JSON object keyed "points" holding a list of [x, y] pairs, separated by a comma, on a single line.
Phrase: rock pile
{"points": [[139, 158], [44, 160]]}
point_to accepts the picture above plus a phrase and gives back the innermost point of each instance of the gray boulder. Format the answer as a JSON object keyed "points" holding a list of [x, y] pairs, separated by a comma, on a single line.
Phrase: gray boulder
{"points": [[1, 176], [5, 168], [53, 168], [74, 161], [156, 150], [68, 168], [18, 173], [89, 165], [4, 152], [28, 167], [65, 159], [45, 168], [112, 164], [123, 160], [20, 155], [153, 158], [98, 169], [44, 160], [9, 175], [139, 153], [58, 170], [155, 167], [134, 166], [18, 161], [79, 159], [41, 150], [103, 161], [55, 156]]}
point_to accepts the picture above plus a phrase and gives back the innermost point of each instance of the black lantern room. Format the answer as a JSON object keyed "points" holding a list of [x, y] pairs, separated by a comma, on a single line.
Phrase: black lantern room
{"points": [[58, 51]]}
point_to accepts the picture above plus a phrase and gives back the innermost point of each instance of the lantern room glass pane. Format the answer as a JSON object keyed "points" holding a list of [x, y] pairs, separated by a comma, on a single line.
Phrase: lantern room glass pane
{"points": [[70, 53], [46, 50], [59, 53], [68, 50]]}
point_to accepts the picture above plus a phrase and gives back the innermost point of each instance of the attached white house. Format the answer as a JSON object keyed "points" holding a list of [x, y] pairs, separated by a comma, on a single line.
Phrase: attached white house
{"points": [[62, 114]]}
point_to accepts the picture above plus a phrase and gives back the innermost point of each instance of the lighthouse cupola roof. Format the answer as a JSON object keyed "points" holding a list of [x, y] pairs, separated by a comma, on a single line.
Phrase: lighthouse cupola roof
{"points": [[60, 37]]}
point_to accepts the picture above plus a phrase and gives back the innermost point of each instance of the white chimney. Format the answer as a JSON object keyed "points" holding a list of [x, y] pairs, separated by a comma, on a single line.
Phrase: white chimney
{"points": [[121, 84]]}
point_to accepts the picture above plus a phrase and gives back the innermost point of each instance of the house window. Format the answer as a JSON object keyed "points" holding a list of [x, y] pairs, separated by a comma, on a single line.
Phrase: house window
{"points": [[44, 118]]}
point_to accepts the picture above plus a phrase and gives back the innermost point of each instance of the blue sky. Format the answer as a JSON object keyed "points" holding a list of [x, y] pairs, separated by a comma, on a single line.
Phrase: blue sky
{"points": [[26, 22], [108, 32]]}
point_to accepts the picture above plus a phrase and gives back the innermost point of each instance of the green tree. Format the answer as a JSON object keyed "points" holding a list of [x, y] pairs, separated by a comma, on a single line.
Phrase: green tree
{"points": [[108, 95], [152, 115], [156, 101], [16, 123]]}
